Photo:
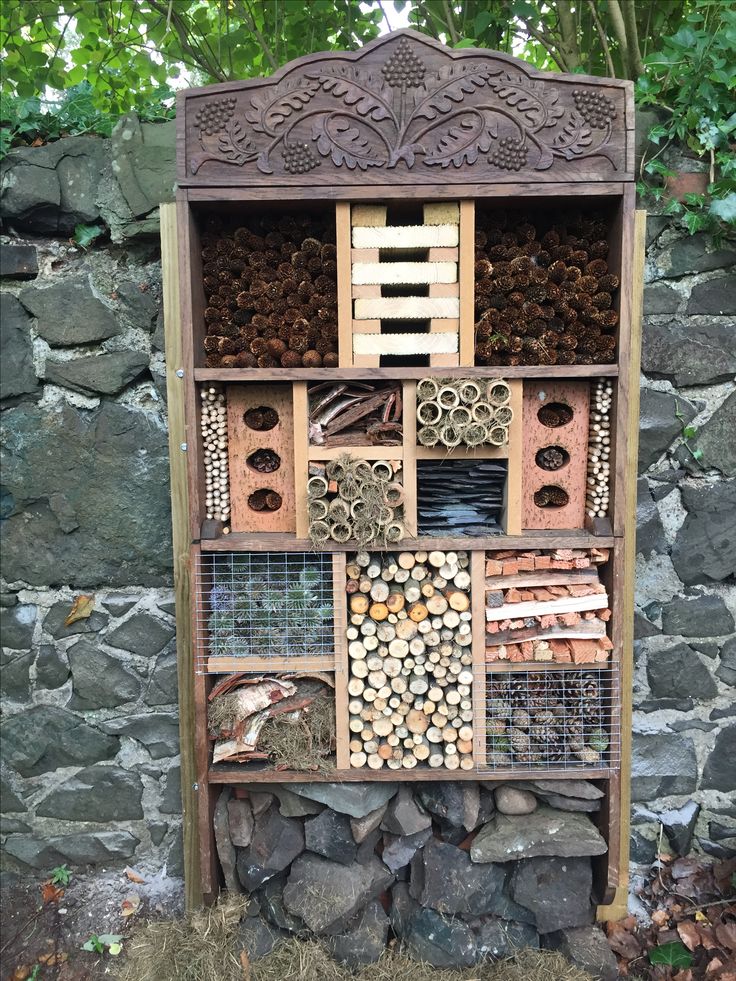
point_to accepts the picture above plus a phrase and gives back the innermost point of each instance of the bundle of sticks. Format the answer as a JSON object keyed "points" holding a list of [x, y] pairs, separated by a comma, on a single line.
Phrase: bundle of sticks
{"points": [[355, 414], [546, 607], [543, 290], [271, 291], [463, 412]]}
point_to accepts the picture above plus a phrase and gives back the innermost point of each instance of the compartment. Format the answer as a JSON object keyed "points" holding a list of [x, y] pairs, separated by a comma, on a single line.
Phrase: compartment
{"points": [[458, 497], [355, 414], [547, 283], [463, 413]]}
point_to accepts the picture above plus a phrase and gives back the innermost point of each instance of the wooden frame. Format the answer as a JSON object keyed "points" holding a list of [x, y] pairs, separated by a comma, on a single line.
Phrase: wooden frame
{"points": [[257, 171]]}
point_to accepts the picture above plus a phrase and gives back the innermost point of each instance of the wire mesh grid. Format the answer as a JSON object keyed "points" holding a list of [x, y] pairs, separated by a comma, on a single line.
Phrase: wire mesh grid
{"points": [[553, 720], [270, 611]]}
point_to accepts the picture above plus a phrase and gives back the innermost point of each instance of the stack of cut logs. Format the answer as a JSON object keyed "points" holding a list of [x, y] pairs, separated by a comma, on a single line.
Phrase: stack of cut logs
{"points": [[599, 449], [409, 645], [546, 606], [543, 295], [349, 499], [271, 293], [463, 412], [213, 424], [355, 414]]}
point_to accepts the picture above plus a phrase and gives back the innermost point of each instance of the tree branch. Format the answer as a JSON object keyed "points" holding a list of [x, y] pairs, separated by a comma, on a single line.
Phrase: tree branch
{"points": [[619, 29], [635, 59], [603, 39], [449, 20], [568, 34], [548, 44], [251, 21]]}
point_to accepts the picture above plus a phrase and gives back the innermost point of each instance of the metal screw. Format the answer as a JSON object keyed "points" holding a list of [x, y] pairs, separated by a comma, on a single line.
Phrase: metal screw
{"points": [[195, 786], [183, 447], [179, 372]]}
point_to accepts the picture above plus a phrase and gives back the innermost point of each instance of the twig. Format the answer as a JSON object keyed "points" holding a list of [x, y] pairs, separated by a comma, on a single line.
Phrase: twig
{"points": [[602, 36]]}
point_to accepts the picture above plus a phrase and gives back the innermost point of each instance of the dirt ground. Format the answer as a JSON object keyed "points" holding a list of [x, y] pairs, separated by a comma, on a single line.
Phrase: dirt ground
{"points": [[47, 937]]}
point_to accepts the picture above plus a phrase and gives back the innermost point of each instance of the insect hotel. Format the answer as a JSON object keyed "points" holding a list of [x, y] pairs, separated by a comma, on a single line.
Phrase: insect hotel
{"points": [[406, 336]]}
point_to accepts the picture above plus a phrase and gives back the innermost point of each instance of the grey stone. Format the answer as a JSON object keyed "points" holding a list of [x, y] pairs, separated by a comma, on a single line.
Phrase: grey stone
{"points": [[157, 731], [171, 797], [707, 647], [556, 890], [661, 765], [719, 772], [158, 338], [588, 949], [545, 832], [10, 802], [13, 826], [721, 832], [329, 834], [355, 799], [716, 297], [710, 356], [684, 724], [703, 550], [327, 895], [44, 738], [162, 688], [223, 842], [53, 623], [257, 937], [96, 793], [444, 878], [727, 712], [361, 827], [240, 822], [15, 668], [698, 616], [7, 600], [140, 302], [660, 298], [169, 608], [118, 603], [678, 672], [714, 440], [141, 634], [83, 848], [643, 850], [175, 859], [569, 803], [158, 830], [665, 704], [499, 939], [69, 313], [679, 826], [444, 799], [99, 679], [290, 804], [650, 535], [693, 254], [569, 788], [404, 816], [440, 941], [656, 224], [513, 800], [16, 626], [18, 261], [98, 374], [659, 424], [143, 159], [276, 842], [367, 847], [271, 900], [727, 667], [52, 667], [16, 350], [260, 801], [364, 940], [399, 850], [93, 458], [403, 907]]}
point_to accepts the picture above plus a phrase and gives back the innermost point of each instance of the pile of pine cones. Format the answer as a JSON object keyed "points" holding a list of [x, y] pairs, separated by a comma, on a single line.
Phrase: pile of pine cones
{"points": [[543, 292], [271, 291]]}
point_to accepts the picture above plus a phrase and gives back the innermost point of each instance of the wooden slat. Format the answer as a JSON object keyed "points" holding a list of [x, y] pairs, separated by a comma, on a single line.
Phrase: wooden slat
{"points": [[543, 577], [405, 236], [301, 454], [244, 774], [462, 453], [410, 456], [175, 389], [403, 273], [342, 733], [344, 301], [514, 611], [364, 452], [403, 344], [226, 665], [477, 606], [513, 502], [407, 308], [467, 283], [357, 372], [278, 542]]}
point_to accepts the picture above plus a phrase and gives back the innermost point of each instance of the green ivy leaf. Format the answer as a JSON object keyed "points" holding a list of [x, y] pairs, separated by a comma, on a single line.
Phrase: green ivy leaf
{"points": [[674, 954], [84, 235], [689, 431], [725, 208]]}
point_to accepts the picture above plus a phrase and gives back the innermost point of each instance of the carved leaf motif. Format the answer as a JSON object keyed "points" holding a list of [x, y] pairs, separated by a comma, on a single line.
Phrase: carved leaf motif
{"points": [[534, 100], [343, 140], [267, 115], [574, 138], [354, 91], [454, 85], [461, 143], [234, 144]]}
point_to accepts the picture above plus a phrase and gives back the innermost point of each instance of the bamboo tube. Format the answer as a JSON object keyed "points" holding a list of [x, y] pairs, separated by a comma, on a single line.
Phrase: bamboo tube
{"points": [[482, 412], [428, 436], [427, 388], [498, 392], [448, 397], [428, 413], [316, 487], [469, 391]]}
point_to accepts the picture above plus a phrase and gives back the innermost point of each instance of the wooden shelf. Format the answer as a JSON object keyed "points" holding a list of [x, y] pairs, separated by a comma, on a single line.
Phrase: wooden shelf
{"points": [[485, 452], [362, 452], [403, 373], [279, 665], [251, 773], [278, 542], [508, 667]]}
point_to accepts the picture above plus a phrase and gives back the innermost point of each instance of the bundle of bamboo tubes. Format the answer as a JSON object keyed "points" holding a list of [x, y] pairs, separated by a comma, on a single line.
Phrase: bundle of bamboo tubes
{"points": [[463, 412], [409, 644]]}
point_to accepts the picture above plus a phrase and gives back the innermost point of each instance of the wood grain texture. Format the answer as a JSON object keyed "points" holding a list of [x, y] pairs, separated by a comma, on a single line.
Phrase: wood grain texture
{"points": [[222, 774], [175, 390], [342, 734], [410, 456], [278, 542], [344, 301], [466, 279], [357, 372], [512, 517], [478, 603], [372, 129], [300, 400]]}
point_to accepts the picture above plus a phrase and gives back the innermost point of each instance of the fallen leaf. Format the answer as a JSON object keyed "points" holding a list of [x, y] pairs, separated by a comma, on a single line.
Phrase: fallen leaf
{"points": [[52, 960], [131, 904], [726, 935], [622, 942], [245, 964], [660, 918], [50, 893], [134, 876], [715, 965], [81, 609], [21, 973], [683, 976], [700, 917], [689, 934]]}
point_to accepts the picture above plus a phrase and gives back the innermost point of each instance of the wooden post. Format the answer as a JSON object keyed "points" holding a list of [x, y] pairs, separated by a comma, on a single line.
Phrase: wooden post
{"points": [[180, 534], [617, 909]]}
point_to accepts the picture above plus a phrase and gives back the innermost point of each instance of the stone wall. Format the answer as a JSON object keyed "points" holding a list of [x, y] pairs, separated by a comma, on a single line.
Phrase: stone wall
{"points": [[90, 768]]}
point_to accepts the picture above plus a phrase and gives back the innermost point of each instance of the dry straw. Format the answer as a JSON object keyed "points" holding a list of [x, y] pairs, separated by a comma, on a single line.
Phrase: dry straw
{"points": [[463, 412]]}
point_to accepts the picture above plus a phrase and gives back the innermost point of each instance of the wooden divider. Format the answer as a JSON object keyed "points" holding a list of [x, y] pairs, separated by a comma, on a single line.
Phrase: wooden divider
{"points": [[478, 624], [342, 733]]}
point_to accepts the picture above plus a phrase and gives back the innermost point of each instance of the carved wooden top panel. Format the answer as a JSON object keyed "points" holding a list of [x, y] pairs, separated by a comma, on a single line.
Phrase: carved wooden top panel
{"points": [[406, 110]]}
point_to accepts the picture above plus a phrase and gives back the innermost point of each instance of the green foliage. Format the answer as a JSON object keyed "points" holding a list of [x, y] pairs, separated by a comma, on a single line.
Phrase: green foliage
{"points": [[674, 954], [60, 876], [98, 943], [85, 235]]}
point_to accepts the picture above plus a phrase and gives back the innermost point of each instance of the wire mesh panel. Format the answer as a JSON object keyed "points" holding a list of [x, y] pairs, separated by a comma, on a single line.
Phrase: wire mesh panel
{"points": [[552, 720], [264, 611]]}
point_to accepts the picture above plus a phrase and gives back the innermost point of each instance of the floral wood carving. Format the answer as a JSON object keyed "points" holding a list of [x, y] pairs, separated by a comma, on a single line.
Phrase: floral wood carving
{"points": [[406, 104]]}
